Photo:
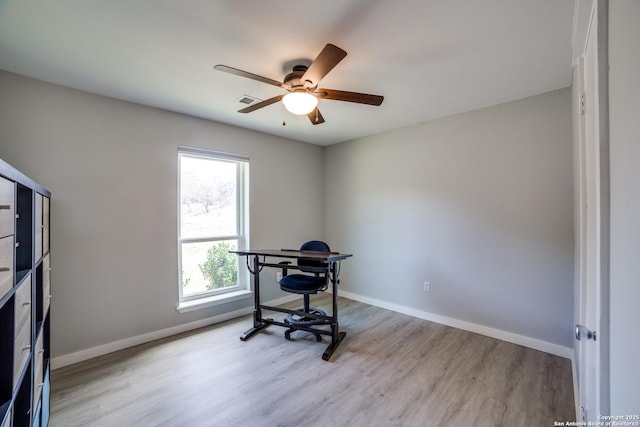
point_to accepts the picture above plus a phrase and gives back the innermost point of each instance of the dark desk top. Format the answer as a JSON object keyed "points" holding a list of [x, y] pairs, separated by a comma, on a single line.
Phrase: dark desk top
{"points": [[296, 254]]}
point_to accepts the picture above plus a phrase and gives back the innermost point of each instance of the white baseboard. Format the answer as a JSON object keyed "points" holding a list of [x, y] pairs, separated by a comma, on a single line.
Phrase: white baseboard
{"points": [[522, 340], [82, 355]]}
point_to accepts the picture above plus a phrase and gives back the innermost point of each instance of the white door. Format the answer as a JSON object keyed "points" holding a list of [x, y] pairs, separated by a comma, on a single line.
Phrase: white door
{"points": [[593, 189]]}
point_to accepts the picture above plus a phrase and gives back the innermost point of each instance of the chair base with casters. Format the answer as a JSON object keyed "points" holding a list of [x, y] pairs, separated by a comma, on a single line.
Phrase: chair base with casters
{"points": [[306, 285], [296, 319]]}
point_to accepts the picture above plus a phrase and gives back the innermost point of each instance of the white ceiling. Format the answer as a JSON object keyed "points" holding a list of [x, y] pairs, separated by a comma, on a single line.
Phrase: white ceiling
{"points": [[429, 58]]}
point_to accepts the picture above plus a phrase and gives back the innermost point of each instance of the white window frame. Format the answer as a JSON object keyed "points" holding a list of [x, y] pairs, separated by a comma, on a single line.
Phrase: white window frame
{"points": [[242, 288]]}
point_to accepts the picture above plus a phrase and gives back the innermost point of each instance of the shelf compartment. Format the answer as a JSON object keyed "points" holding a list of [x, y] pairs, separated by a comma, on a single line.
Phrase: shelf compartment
{"points": [[6, 264], [7, 207], [45, 224], [22, 403], [6, 350], [46, 284], [24, 228], [5, 414], [23, 305]]}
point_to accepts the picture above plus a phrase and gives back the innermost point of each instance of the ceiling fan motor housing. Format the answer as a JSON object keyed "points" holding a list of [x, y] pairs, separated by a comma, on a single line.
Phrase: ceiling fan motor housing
{"points": [[293, 78]]}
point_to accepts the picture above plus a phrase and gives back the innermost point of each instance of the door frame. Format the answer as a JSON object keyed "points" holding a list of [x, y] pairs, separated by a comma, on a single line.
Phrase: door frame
{"points": [[591, 160]]}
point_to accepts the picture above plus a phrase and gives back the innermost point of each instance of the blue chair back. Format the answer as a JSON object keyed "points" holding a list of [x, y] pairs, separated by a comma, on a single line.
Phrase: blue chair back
{"points": [[312, 245]]}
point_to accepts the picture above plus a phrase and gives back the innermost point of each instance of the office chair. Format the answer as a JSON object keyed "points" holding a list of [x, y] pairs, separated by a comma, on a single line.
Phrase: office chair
{"points": [[306, 285]]}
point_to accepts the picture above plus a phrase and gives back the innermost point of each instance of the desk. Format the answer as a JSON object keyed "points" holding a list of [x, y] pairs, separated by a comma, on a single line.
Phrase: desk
{"points": [[332, 259]]}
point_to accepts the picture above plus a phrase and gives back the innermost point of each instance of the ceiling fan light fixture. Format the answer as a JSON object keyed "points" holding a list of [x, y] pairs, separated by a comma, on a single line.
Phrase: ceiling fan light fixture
{"points": [[300, 102]]}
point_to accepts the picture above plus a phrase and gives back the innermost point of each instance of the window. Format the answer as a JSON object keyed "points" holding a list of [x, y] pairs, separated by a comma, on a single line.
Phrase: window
{"points": [[212, 220]]}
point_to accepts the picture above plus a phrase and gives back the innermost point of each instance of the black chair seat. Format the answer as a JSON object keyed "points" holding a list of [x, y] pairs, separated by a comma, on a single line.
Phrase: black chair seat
{"points": [[302, 283]]}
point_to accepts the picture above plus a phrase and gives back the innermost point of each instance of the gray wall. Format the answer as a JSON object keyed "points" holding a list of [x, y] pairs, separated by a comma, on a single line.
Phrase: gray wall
{"points": [[111, 168], [479, 204], [624, 145]]}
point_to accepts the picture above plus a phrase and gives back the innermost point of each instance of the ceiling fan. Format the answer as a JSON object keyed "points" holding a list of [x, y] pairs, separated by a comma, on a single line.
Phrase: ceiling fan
{"points": [[302, 86]]}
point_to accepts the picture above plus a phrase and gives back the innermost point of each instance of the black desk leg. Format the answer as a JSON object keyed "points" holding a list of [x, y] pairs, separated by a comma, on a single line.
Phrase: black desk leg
{"points": [[258, 324], [333, 346], [251, 332], [336, 335], [257, 312]]}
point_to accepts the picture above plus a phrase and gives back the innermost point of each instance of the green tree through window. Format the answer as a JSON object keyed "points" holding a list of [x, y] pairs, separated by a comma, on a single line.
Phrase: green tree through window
{"points": [[221, 267]]}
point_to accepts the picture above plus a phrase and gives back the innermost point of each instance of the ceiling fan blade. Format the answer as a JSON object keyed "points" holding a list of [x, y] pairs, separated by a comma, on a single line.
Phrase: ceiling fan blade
{"points": [[328, 58], [315, 117], [249, 75], [341, 95], [261, 104]]}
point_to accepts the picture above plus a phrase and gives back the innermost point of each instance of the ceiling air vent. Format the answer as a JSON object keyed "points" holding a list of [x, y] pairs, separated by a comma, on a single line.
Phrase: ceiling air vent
{"points": [[247, 100]]}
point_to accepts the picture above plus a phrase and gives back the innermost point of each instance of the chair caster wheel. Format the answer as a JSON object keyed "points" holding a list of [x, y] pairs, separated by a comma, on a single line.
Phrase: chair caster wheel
{"points": [[318, 337], [287, 335]]}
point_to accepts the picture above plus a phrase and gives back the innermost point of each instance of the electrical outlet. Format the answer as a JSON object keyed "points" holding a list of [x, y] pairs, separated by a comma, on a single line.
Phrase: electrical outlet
{"points": [[427, 286]]}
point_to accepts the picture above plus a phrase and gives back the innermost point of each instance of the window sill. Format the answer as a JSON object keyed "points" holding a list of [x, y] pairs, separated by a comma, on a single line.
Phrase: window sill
{"points": [[201, 303]]}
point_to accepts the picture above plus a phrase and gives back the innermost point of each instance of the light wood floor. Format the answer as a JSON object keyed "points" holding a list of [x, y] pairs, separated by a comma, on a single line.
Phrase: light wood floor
{"points": [[391, 370]]}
